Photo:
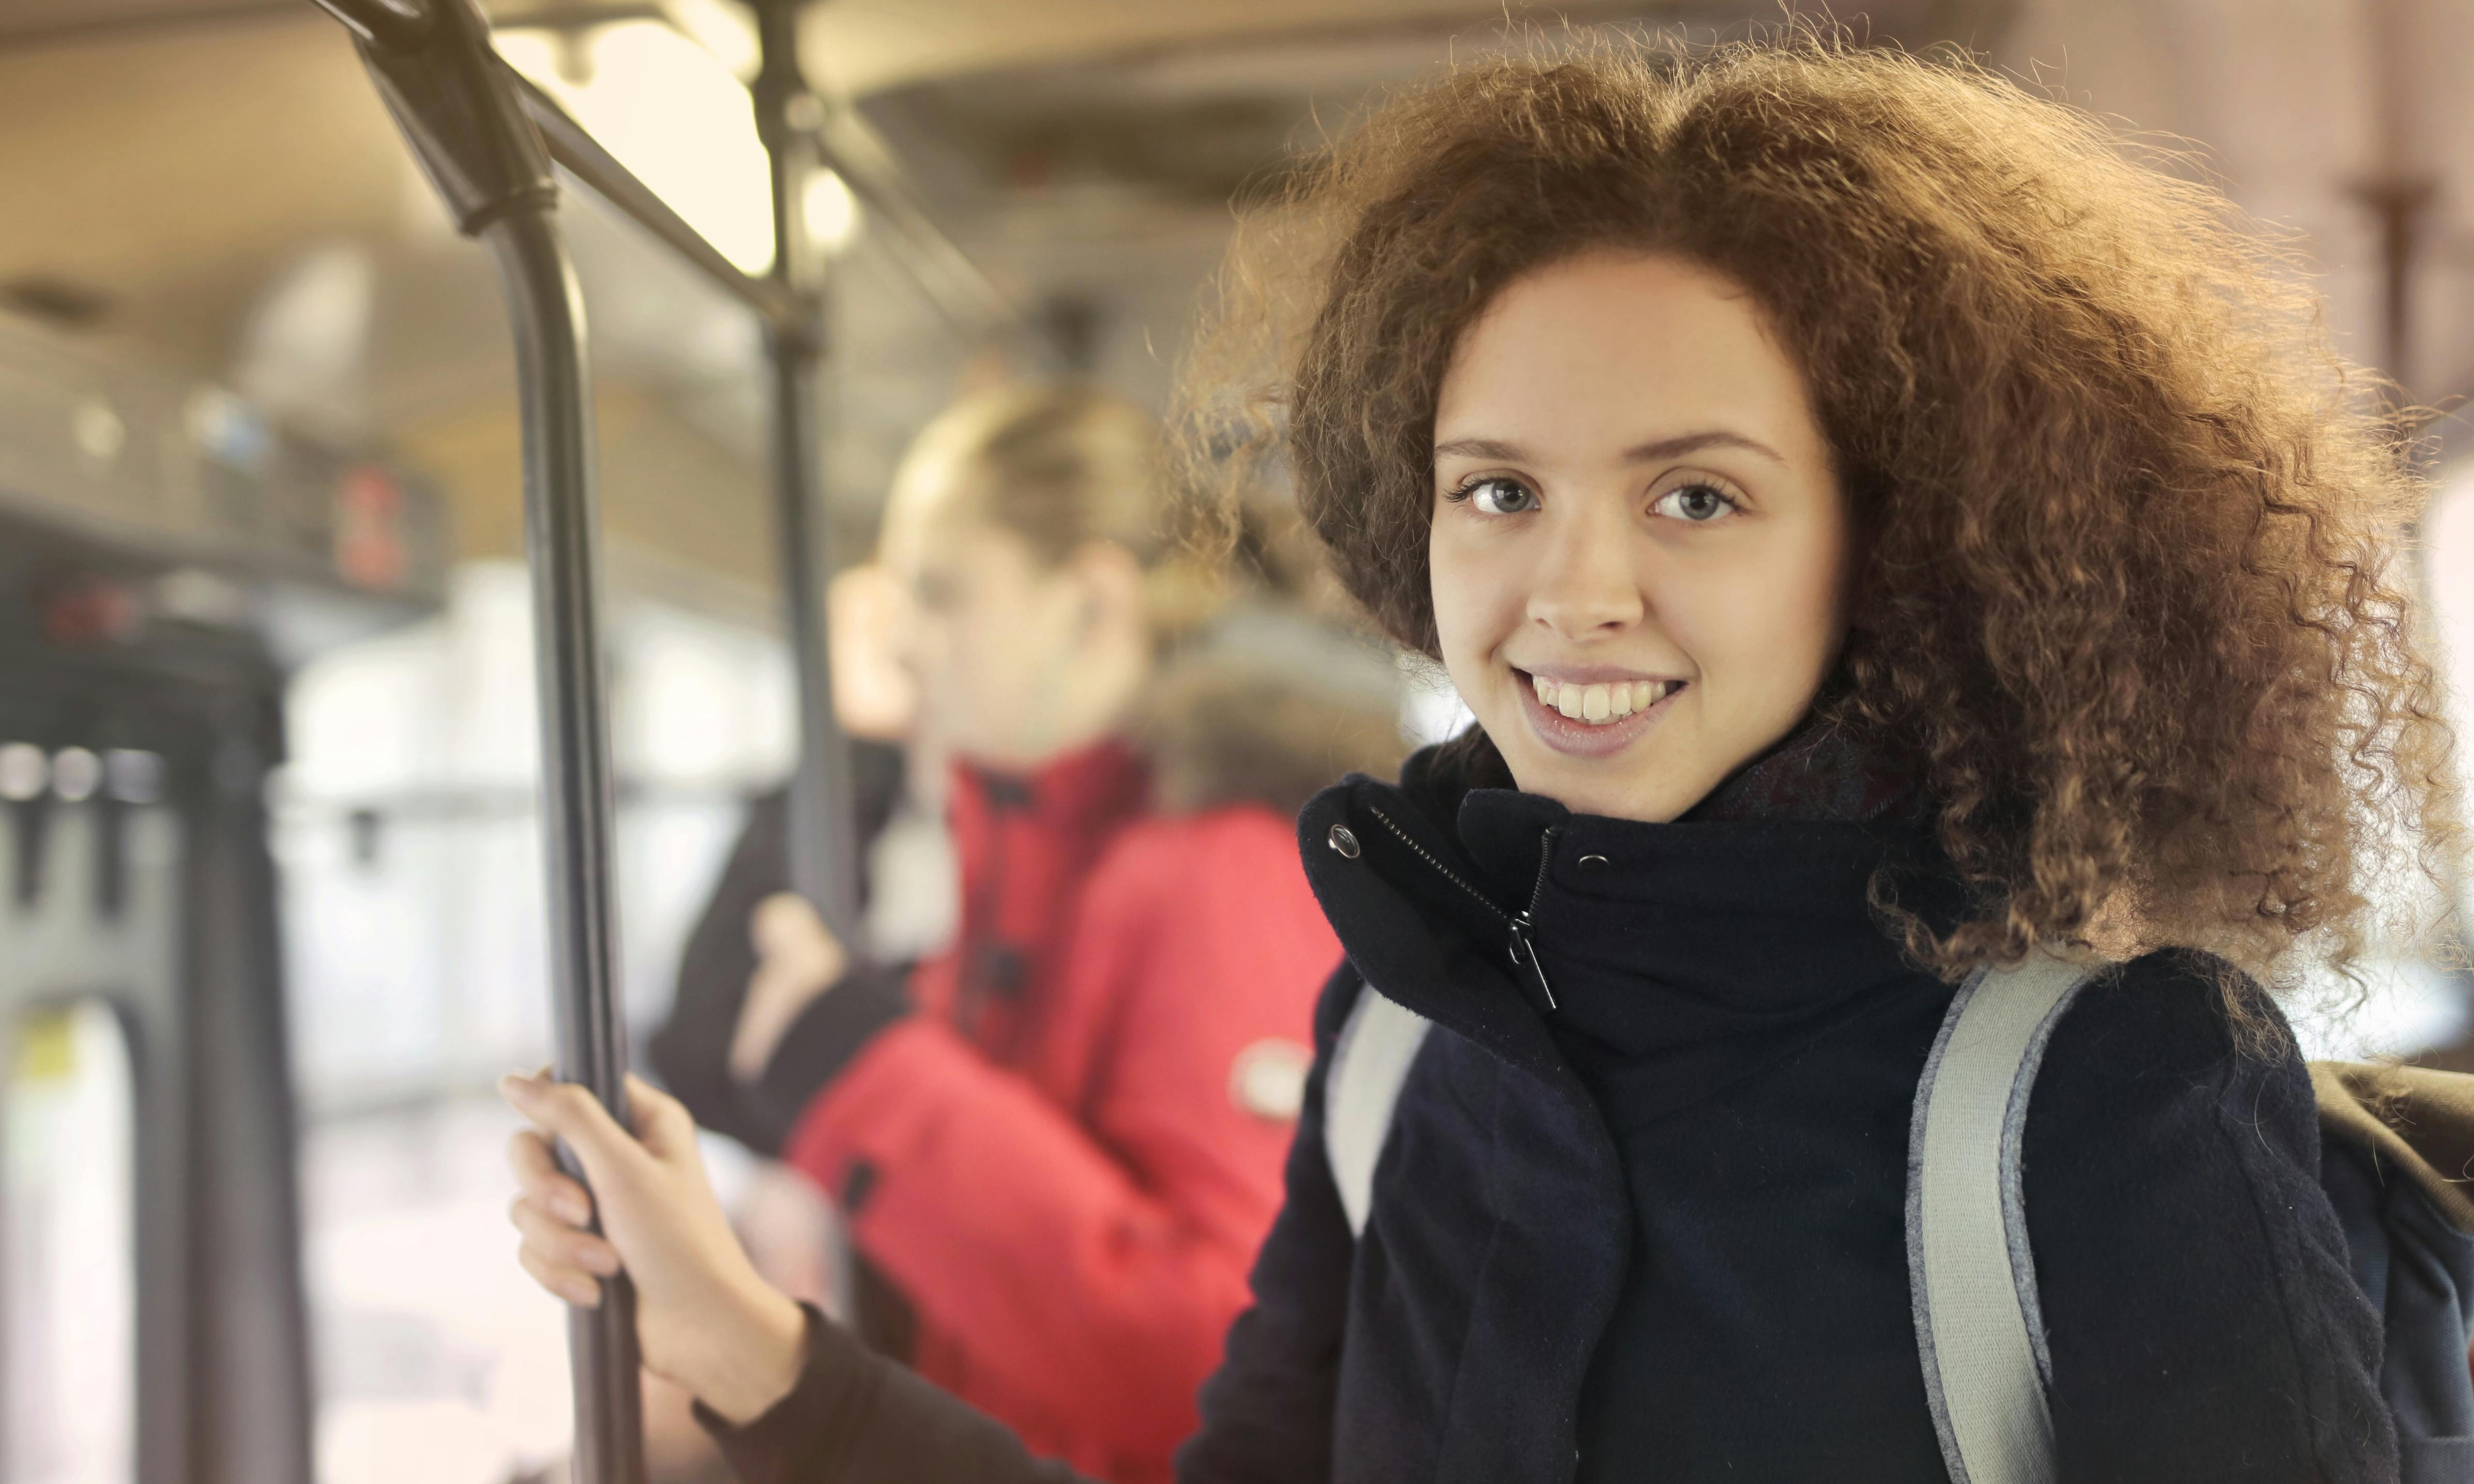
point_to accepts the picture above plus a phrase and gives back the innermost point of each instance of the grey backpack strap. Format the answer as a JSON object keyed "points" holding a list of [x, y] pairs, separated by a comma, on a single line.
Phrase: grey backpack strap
{"points": [[1369, 1062], [1969, 1273]]}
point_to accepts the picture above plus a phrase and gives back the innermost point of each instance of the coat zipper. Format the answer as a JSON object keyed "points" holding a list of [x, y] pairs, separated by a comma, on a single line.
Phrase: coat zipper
{"points": [[1524, 927]]}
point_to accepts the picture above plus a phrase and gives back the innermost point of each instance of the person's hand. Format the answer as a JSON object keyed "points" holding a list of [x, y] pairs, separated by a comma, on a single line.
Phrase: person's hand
{"points": [[704, 1318], [798, 958]]}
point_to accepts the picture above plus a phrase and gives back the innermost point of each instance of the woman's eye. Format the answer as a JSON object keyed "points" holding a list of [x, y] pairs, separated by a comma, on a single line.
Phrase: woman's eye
{"points": [[1499, 496], [1699, 504]]}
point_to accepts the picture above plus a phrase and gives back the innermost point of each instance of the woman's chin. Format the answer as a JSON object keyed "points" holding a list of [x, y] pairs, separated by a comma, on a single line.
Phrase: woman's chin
{"points": [[1624, 787], [1618, 767]]}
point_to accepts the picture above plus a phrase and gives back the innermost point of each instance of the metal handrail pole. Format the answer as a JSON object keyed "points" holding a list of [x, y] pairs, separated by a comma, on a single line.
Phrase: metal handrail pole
{"points": [[460, 112], [398, 25], [578, 807], [824, 845]]}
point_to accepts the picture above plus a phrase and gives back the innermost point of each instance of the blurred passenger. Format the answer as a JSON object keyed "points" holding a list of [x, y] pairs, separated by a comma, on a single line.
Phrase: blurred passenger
{"points": [[906, 896], [907, 901], [1060, 1138], [1885, 534]]}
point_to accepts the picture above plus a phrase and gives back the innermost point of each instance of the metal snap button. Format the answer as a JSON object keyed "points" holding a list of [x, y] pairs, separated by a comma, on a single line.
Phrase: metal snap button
{"points": [[1344, 840], [1592, 863]]}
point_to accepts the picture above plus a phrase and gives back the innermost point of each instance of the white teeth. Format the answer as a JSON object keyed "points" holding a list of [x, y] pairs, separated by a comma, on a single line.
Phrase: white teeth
{"points": [[1601, 703]]}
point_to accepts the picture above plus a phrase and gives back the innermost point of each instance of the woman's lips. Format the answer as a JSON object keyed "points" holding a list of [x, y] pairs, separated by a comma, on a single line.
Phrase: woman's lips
{"points": [[1576, 736]]}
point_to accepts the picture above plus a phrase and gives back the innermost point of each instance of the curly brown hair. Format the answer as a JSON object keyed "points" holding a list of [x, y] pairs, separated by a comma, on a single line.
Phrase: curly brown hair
{"points": [[2128, 522]]}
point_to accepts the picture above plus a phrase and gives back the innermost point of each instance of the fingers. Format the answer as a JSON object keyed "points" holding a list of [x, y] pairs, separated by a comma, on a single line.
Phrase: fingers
{"points": [[785, 920], [784, 927], [568, 1262], [579, 1288], [559, 1247], [543, 1182], [570, 1112], [776, 996], [798, 958]]}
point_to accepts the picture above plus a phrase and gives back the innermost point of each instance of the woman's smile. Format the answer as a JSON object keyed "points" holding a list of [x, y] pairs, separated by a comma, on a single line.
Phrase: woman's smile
{"points": [[1593, 711]]}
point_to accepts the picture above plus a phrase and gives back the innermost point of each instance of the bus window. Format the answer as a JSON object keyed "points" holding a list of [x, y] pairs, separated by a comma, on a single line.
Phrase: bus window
{"points": [[68, 1270]]}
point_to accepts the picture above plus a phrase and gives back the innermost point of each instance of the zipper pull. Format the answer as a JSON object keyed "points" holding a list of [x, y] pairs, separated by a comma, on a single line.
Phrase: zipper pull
{"points": [[1524, 955], [1524, 940]]}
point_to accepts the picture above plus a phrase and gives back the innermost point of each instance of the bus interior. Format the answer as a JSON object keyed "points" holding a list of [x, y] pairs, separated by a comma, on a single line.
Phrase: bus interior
{"points": [[274, 913]]}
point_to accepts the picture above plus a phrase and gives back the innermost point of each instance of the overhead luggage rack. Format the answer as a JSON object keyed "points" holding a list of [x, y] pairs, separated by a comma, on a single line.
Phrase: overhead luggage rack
{"points": [[113, 458]]}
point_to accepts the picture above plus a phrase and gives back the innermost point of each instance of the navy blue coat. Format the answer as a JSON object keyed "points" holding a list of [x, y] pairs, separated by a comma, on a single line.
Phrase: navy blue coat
{"points": [[1655, 1231]]}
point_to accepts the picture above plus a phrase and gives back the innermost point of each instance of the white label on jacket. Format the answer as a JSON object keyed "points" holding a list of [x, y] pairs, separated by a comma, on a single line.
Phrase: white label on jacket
{"points": [[1269, 1077]]}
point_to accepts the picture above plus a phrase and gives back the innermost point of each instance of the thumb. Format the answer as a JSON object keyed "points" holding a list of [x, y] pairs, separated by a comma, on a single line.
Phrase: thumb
{"points": [[664, 1126], [786, 924], [569, 1111]]}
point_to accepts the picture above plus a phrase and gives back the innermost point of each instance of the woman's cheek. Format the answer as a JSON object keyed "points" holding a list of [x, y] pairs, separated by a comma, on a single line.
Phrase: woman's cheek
{"points": [[1470, 662]]}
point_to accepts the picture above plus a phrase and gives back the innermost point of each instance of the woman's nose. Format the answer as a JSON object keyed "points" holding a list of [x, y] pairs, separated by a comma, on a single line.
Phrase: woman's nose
{"points": [[1586, 585]]}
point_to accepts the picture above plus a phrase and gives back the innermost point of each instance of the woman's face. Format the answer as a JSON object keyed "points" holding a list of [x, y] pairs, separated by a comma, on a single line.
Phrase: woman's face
{"points": [[1639, 548], [992, 635]]}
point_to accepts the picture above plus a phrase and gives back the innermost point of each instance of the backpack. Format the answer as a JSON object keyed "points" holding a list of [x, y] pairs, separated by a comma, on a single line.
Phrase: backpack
{"points": [[1979, 1333]]}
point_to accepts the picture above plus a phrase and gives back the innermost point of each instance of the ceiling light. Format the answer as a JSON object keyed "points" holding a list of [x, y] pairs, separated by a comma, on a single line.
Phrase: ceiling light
{"points": [[673, 114], [829, 211]]}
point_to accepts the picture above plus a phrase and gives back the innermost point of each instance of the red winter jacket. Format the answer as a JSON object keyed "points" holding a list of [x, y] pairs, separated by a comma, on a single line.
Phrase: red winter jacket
{"points": [[1066, 1143]]}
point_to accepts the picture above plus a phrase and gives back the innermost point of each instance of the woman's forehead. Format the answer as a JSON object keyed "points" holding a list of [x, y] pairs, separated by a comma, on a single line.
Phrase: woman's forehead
{"points": [[1629, 352]]}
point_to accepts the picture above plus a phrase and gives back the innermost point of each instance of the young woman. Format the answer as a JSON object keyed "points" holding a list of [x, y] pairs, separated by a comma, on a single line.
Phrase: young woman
{"points": [[1060, 1140], [1882, 531]]}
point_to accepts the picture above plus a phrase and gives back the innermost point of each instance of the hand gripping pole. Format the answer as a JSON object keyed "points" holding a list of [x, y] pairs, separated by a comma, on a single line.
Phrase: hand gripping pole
{"points": [[461, 112]]}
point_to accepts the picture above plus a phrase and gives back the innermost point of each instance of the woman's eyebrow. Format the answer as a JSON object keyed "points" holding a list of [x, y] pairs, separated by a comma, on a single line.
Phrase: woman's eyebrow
{"points": [[1674, 448], [1694, 442], [1480, 448]]}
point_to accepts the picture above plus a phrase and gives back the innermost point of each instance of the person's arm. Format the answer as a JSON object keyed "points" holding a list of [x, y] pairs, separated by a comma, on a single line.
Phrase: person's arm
{"points": [[856, 1416], [790, 1397], [1087, 1259], [2199, 1304], [692, 1050], [725, 957]]}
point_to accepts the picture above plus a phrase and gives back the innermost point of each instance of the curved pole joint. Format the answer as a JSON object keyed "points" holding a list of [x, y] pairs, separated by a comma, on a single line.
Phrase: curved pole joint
{"points": [[457, 106]]}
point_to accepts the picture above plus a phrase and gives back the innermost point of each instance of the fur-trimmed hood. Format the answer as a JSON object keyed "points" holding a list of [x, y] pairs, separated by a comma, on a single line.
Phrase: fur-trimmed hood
{"points": [[1269, 706], [2413, 1120]]}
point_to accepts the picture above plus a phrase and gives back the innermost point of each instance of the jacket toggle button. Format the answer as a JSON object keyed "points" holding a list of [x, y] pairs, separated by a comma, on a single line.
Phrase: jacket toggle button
{"points": [[1592, 863], [1344, 840]]}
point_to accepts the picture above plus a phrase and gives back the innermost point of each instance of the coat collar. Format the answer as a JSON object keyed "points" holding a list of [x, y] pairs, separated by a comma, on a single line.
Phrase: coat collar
{"points": [[1651, 936], [1385, 875]]}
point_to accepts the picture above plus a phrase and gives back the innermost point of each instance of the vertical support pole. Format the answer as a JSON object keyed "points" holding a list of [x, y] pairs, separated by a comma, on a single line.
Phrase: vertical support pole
{"points": [[2400, 187], [460, 112], [252, 1413], [578, 809], [824, 849]]}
